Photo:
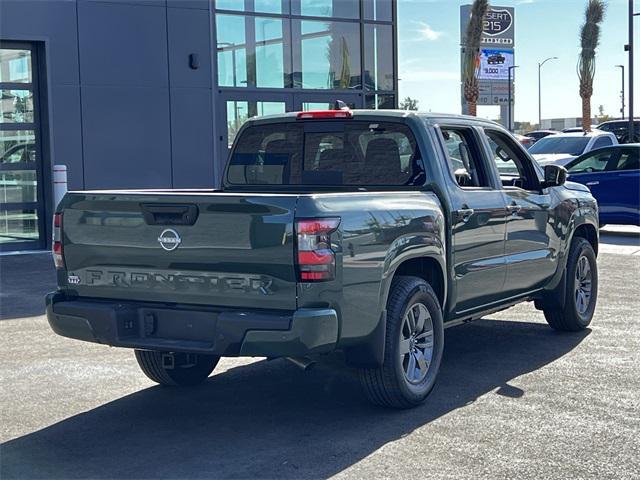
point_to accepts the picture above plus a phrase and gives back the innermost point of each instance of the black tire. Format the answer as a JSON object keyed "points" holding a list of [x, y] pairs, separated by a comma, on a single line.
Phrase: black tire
{"points": [[388, 385], [572, 318], [176, 369]]}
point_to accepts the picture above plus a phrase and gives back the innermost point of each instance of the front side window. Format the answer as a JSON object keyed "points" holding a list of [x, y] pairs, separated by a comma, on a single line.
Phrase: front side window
{"points": [[514, 168], [629, 159], [330, 153], [596, 162], [464, 158]]}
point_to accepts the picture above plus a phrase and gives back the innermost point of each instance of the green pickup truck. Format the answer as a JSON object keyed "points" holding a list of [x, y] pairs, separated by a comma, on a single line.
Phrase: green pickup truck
{"points": [[367, 232]]}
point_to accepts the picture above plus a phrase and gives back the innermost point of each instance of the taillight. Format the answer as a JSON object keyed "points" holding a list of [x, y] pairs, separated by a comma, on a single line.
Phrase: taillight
{"points": [[320, 114], [57, 250], [316, 259]]}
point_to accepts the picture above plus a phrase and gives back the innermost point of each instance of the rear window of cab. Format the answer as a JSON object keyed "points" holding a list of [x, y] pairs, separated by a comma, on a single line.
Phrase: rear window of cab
{"points": [[326, 153]]}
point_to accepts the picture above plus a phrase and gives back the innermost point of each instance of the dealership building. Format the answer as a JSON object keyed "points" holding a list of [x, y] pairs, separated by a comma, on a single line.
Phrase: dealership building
{"points": [[150, 93]]}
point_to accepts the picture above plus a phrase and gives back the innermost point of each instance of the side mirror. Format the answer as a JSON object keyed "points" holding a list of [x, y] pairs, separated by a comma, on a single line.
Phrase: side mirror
{"points": [[554, 176]]}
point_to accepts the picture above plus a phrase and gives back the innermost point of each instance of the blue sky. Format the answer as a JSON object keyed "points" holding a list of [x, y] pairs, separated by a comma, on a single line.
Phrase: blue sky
{"points": [[429, 59]]}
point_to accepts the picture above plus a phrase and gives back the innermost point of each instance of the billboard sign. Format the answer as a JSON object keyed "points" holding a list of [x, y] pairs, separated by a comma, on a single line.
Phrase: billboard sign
{"points": [[499, 26], [494, 64]]}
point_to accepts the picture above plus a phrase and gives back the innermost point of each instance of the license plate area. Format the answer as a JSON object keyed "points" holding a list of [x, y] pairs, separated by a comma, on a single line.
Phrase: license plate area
{"points": [[166, 324]]}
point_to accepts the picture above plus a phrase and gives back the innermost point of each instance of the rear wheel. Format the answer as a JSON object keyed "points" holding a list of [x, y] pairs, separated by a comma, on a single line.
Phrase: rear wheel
{"points": [[581, 276], [176, 369], [413, 347]]}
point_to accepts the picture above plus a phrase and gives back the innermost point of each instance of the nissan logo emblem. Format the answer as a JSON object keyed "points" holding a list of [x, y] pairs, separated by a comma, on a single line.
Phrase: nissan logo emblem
{"points": [[169, 239]]}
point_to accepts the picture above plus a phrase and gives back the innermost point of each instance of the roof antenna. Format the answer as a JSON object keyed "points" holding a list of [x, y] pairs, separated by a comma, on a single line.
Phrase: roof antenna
{"points": [[340, 105]]}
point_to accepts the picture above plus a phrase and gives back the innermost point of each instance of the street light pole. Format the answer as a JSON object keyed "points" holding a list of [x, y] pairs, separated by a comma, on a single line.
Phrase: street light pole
{"points": [[510, 108], [630, 49], [540, 90], [622, 92]]}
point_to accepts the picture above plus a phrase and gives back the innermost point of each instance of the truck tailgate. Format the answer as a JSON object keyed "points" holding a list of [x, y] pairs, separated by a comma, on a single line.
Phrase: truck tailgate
{"points": [[208, 248]]}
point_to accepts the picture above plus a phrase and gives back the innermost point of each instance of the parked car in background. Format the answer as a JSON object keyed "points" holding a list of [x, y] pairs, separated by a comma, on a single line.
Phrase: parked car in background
{"points": [[578, 129], [540, 134], [613, 175], [525, 141], [564, 147], [620, 128]]}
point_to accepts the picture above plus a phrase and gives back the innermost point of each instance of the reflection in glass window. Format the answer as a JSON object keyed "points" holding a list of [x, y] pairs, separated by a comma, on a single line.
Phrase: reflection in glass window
{"points": [[17, 146], [309, 106], [239, 112], [18, 186], [330, 55], [15, 66], [269, 53], [268, 6], [230, 4], [380, 102], [380, 10], [16, 106], [232, 51], [330, 8], [378, 57], [18, 225]]}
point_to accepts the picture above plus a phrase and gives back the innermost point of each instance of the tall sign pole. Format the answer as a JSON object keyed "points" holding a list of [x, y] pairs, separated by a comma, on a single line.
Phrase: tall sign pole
{"points": [[497, 54]]}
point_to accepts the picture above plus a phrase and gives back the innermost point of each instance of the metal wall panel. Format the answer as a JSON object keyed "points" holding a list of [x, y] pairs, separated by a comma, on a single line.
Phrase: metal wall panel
{"points": [[126, 137], [192, 138], [123, 44], [52, 21], [66, 124], [189, 34]]}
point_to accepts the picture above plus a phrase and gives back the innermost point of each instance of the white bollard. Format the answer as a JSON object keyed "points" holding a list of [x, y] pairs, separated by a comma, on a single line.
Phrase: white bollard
{"points": [[59, 183]]}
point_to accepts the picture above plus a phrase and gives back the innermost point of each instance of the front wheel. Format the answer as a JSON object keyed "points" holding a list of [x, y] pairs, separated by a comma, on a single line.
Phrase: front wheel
{"points": [[413, 347], [176, 369], [581, 276]]}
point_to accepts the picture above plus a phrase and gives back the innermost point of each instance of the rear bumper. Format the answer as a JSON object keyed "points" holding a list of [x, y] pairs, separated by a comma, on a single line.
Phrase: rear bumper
{"points": [[193, 329]]}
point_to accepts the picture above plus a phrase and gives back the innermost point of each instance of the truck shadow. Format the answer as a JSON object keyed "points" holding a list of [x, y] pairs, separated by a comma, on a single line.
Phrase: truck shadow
{"points": [[271, 420], [24, 281]]}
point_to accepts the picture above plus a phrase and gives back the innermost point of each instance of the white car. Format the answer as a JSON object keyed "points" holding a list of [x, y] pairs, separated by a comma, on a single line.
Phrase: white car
{"points": [[561, 148]]}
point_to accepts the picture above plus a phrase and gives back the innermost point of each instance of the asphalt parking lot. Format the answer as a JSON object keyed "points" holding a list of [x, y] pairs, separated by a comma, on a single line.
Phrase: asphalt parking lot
{"points": [[514, 399]]}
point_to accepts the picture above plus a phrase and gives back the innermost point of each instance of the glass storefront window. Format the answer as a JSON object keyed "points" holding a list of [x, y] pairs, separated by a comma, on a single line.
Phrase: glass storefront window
{"points": [[268, 6], [239, 111], [17, 146], [16, 106], [380, 102], [380, 10], [232, 51], [329, 8], [259, 6], [378, 57], [252, 52], [329, 55], [18, 226], [15, 66], [230, 4], [18, 186], [269, 53]]}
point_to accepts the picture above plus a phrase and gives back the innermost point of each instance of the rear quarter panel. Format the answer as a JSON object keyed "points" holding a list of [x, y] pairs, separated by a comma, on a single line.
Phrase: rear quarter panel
{"points": [[378, 231]]}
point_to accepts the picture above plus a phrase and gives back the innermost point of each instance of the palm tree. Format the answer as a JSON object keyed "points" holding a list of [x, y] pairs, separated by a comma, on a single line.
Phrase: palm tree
{"points": [[471, 52], [589, 40]]}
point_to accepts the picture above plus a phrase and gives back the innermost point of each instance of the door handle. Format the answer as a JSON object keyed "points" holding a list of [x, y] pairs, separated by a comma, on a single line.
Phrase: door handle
{"points": [[590, 184], [514, 208], [464, 214]]}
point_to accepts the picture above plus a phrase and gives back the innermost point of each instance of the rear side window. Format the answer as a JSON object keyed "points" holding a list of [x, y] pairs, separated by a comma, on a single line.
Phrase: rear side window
{"points": [[327, 153]]}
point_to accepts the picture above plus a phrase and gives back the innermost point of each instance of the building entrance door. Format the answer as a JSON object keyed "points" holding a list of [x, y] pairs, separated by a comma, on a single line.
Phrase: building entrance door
{"points": [[22, 222]]}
